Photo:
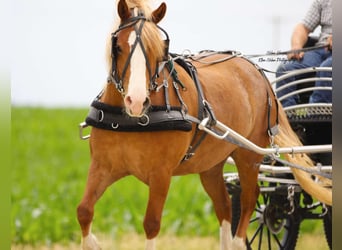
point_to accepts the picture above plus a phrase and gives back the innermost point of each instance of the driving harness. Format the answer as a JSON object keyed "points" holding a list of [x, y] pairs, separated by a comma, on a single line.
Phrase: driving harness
{"points": [[158, 118]]}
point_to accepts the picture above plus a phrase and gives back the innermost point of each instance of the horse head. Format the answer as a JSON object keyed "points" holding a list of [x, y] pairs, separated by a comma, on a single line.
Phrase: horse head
{"points": [[137, 48]]}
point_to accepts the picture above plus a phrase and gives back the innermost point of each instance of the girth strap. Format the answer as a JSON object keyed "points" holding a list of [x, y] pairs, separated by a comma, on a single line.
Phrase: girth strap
{"points": [[204, 109]]}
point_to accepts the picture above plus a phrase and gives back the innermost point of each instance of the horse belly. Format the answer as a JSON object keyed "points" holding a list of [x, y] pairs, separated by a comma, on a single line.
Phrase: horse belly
{"points": [[210, 153]]}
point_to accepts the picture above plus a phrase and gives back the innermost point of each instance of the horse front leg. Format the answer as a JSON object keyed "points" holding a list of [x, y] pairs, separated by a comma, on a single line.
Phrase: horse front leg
{"points": [[159, 184], [98, 180], [213, 183]]}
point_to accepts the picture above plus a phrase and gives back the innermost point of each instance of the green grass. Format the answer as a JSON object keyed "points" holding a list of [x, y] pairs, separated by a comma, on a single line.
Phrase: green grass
{"points": [[49, 165], [49, 170]]}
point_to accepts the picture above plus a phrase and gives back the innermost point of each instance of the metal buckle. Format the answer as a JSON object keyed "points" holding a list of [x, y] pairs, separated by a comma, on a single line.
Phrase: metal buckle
{"points": [[290, 198], [82, 126]]}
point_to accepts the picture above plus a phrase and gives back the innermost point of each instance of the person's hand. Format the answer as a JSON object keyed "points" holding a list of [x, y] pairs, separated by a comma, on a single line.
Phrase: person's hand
{"points": [[296, 55], [329, 42]]}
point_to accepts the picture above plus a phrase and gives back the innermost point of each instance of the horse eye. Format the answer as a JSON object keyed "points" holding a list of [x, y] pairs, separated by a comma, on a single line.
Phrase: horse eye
{"points": [[118, 49], [114, 48]]}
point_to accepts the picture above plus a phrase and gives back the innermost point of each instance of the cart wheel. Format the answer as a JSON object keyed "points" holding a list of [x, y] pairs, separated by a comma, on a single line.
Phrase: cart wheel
{"points": [[328, 226], [271, 227]]}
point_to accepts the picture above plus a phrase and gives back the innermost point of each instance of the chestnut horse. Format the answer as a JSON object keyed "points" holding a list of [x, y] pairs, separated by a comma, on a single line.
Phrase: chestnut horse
{"points": [[231, 90]]}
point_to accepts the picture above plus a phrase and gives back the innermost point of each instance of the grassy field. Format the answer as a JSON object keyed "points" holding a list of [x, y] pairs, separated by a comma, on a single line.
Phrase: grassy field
{"points": [[134, 241], [49, 169]]}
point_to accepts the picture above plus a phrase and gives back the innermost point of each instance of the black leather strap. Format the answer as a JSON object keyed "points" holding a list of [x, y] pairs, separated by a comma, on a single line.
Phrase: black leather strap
{"points": [[113, 118]]}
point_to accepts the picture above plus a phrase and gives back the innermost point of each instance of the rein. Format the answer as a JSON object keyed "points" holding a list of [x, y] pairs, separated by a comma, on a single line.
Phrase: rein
{"points": [[206, 53], [307, 170], [286, 52]]}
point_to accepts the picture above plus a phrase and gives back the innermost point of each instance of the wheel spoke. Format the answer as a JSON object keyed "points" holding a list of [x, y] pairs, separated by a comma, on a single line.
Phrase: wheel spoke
{"points": [[259, 229], [260, 238], [269, 239], [253, 220], [266, 198], [274, 227], [278, 242]]}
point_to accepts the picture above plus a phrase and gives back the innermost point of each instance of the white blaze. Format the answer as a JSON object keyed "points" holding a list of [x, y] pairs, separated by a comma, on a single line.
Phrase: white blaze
{"points": [[136, 92]]}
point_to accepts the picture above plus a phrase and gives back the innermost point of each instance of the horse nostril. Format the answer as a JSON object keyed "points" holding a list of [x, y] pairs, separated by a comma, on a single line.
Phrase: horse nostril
{"points": [[147, 102], [128, 101]]}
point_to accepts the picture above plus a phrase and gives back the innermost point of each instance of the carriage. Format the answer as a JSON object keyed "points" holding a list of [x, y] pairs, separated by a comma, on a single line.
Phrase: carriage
{"points": [[161, 115], [283, 205]]}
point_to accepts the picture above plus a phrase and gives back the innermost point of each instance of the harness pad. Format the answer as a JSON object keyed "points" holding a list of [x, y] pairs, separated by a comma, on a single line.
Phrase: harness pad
{"points": [[113, 118]]}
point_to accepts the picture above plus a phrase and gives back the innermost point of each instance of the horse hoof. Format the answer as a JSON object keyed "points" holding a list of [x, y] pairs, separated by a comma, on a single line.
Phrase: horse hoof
{"points": [[90, 243]]}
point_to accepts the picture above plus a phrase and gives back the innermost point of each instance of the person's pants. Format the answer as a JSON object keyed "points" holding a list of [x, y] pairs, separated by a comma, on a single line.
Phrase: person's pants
{"points": [[314, 58], [323, 95]]}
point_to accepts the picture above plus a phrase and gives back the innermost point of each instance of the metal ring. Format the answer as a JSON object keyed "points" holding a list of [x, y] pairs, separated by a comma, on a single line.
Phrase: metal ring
{"points": [[145, 123], [115, 126], [101, 115]]}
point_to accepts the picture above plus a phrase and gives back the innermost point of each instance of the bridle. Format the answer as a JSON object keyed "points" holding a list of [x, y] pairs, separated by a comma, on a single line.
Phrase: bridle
{"points": [[138, 27]]}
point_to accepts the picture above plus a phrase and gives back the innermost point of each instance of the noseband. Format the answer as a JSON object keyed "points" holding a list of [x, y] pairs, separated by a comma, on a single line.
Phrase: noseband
{"points": [[133, 22]]}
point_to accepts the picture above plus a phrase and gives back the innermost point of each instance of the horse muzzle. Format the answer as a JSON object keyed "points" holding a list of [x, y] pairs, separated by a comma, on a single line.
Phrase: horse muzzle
{"points": [[135, 107]]}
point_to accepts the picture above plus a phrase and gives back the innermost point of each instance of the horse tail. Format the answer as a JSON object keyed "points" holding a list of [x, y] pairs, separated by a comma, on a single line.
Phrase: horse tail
{"points": [[287, 138]]}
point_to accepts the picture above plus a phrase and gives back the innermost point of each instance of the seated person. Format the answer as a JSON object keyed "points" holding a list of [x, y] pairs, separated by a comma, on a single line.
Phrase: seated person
{"points": [[319, 14]]}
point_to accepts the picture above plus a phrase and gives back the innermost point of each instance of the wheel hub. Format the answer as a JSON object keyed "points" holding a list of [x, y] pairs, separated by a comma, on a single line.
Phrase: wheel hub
{"points": [[272, 217]]}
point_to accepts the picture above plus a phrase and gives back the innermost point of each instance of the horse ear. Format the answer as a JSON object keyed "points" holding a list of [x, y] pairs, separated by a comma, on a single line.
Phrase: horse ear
{"points": [[159, 13], [123, 10]]}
